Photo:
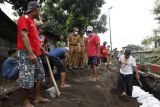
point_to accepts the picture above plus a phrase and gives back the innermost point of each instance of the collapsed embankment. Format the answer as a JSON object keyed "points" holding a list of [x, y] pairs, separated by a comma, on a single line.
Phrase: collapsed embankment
{"points": [[83, 93]]}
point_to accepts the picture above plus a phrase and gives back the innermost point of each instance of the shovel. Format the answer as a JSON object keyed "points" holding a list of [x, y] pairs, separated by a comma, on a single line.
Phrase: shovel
{"points": [[139, 83], [52, 77]]}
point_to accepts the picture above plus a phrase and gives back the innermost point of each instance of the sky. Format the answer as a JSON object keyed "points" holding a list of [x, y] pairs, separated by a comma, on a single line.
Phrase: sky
{"points": [[131, 21]]}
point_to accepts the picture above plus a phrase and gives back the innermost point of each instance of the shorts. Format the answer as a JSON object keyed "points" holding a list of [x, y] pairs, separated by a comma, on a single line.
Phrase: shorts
{"points": [[29, 73], [103, 59], [57, 62], [93, 60]]}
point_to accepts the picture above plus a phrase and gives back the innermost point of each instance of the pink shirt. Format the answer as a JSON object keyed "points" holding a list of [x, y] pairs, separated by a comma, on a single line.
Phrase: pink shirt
{"points": [[91, 45]]}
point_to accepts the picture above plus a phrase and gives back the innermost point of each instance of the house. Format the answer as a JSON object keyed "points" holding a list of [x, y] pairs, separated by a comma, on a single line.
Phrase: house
{"points": [[8, 32]]}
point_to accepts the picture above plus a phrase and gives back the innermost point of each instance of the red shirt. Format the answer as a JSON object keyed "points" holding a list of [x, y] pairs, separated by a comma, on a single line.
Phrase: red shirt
{"points": [[103, 51], [25, 22], [91, 45]]}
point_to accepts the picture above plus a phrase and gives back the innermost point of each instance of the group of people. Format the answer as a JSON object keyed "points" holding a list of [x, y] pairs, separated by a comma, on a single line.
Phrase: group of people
{"points": [[31, 50]]}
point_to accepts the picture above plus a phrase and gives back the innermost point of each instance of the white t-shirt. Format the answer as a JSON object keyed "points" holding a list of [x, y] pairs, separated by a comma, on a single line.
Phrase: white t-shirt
{"points": [[127, 64]]}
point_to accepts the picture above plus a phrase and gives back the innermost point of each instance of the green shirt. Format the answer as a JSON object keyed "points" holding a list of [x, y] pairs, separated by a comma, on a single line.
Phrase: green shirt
{"points": [[61, 44]]}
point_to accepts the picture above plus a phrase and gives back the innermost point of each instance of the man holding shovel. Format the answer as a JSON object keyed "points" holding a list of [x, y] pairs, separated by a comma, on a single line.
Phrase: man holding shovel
{"points": [[31, 72]]}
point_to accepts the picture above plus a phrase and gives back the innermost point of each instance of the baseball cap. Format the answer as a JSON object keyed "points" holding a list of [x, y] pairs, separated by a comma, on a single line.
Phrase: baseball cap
{"points": [[32, 5], [89, 28]]}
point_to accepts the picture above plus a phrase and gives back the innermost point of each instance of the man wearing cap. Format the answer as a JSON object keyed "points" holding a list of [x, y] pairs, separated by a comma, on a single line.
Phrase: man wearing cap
{"points": [[30, 65], [74, 48], [127, 66], [92, 48]]}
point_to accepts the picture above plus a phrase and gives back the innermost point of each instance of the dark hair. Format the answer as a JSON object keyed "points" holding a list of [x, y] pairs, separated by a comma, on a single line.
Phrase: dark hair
{"points": [[12, 51], [128, 51]]}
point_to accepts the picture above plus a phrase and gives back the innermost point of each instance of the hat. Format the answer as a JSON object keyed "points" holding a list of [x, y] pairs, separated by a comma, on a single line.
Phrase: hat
{"points": [[89, 28], [32, 5]]}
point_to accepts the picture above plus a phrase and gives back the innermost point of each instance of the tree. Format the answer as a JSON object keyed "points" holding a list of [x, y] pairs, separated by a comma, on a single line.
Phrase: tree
{"points": [[156, 11], [155, 57], [146, 42], [20, 6], [62, 15], [156, 7], [134, 48], [149, 40]]}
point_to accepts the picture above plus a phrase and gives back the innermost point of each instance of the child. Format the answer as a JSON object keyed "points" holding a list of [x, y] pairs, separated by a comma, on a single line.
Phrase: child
{"points": [[10, 68]]}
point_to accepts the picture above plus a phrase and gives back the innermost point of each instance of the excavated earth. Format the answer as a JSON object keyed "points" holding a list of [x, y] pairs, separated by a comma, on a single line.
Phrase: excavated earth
{"points": [[83, 93]]}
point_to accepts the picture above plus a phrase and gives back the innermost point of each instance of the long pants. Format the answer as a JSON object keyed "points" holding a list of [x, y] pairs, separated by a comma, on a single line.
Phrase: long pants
{"points": [[125, 83], [73, 56], [82, 57]]}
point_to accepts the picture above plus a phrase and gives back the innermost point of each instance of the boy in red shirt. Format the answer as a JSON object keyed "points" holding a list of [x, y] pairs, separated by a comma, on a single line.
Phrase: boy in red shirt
{"points": [[29, 63], [92, 48]]}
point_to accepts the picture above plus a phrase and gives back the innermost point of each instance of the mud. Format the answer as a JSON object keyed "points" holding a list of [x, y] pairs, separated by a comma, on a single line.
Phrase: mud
{"points": [[83, 93]]}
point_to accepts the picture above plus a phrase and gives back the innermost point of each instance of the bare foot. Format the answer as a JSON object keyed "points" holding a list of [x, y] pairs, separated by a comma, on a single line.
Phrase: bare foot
{"points": [[95, 79], [41, 100], [123, 94], [27, 104]]}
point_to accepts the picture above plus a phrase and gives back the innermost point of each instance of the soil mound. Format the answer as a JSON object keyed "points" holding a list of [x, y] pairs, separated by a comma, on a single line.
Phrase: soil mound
{"points": [[83, 93]]}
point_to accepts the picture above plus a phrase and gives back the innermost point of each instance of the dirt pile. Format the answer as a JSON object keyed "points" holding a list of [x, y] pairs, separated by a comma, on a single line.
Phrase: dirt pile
{"points": [[83, 93]]}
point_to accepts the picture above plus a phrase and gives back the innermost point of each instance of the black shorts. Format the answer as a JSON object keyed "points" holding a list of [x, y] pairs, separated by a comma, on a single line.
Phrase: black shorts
{"points": [[57, 62], [103, 59], [93, 60]]}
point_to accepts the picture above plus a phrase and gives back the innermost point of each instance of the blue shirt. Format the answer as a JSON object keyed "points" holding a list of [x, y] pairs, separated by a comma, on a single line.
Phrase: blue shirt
{"points": [[9, 67], [58, 53]]}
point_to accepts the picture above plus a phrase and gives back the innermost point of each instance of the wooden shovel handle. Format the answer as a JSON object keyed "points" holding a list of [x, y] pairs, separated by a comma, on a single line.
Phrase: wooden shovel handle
{"points": [[52, 77]]}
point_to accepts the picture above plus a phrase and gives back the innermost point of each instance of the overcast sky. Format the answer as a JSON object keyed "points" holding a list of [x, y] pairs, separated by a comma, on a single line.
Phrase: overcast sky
{"points": [[131, 21]]}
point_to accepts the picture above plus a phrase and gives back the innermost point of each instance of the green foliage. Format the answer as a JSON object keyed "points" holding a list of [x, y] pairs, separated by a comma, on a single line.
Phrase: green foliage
{"points": [[155, 57], [146, 42], [20, 6], [157, 7], [135, 48], [156, 11], [62, 15], [149, 40]]}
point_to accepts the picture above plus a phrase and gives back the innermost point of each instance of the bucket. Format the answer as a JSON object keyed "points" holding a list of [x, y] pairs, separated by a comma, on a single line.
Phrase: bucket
{"points": [[52, 92]]}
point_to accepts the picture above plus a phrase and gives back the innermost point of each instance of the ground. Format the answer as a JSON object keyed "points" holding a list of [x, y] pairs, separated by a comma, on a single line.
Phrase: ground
{"points": [[83, 93]]}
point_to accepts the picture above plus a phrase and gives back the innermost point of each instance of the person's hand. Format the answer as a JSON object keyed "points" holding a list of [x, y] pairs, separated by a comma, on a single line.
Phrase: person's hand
{"points": [[45, 53], [98, 55], [33, 58]]}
